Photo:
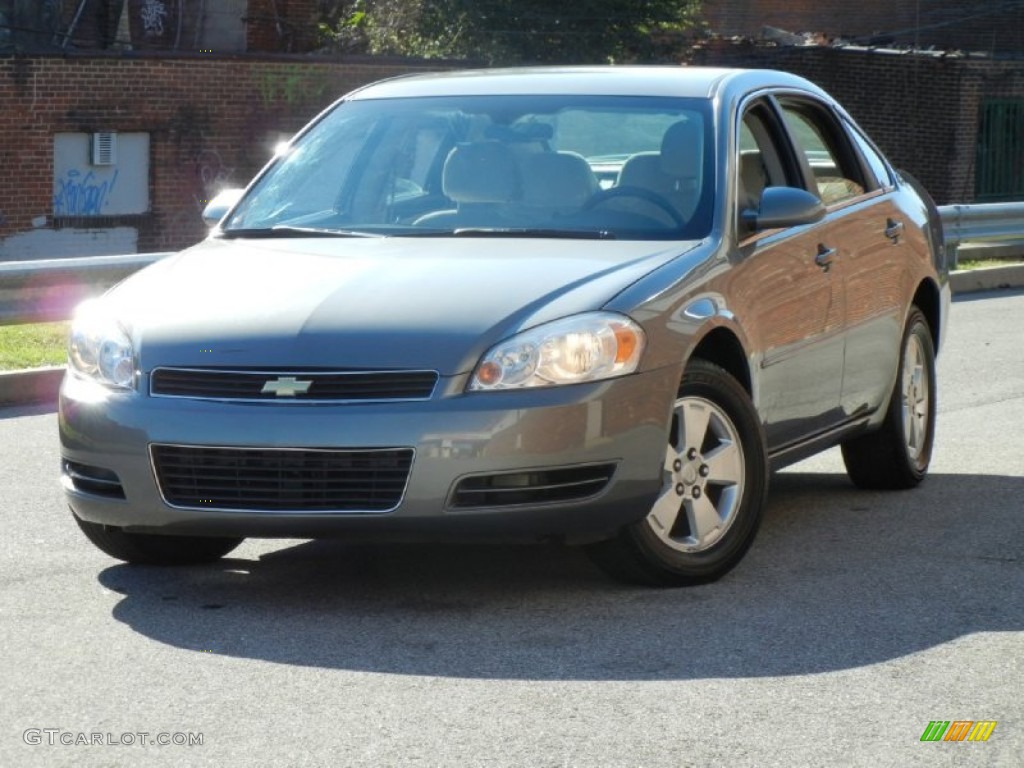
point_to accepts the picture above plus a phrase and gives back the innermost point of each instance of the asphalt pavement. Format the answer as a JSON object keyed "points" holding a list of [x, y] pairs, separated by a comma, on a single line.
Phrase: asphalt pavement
{"points": [[856, 619]]}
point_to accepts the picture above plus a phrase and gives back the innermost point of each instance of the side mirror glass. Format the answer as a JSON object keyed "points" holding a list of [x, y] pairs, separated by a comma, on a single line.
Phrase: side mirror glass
{"points": [[220, 205], [784, 207]]}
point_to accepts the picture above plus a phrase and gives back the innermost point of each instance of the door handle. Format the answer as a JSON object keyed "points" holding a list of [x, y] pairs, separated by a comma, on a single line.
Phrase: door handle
{"points": [[824, 257], [893, 230]]}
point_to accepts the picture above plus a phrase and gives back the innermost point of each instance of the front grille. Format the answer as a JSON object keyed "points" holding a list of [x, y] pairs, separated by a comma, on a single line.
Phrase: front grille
{"points": [[541, 486], [282, 480], [220, 384]]}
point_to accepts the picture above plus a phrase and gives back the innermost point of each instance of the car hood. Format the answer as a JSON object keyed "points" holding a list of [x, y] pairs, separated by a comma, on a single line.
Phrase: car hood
{"points": [[366, 303]]}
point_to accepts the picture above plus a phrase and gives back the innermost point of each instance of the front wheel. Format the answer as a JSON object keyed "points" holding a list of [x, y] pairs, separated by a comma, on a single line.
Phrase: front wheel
{"points": [[897, 455], [154, 549], [714, 485]]}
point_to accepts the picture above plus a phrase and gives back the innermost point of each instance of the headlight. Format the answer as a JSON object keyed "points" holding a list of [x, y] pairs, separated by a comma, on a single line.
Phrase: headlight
{"points": [[597, 345], [99, 348]]}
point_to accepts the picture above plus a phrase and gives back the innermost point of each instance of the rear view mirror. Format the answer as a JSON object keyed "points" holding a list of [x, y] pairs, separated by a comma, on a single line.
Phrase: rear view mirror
{"points": [[784, 207], [220, 205]]}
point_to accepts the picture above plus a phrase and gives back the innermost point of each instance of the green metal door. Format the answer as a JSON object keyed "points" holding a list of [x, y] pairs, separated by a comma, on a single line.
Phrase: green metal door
{"points": [[1000, 156]]}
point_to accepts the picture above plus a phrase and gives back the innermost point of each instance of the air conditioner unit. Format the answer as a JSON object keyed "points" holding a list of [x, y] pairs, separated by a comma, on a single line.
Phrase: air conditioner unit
{"points": [[104, 148]]}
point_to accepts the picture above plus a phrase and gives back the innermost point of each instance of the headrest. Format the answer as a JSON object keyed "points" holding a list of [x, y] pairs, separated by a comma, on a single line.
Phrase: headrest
{"points": [[481, 173], [682, 149], [558, 180]]}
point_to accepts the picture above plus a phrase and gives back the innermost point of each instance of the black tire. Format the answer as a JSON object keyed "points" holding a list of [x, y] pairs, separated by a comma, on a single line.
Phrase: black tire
{"points": [[156, 549], [897, 455], [665, 548]]}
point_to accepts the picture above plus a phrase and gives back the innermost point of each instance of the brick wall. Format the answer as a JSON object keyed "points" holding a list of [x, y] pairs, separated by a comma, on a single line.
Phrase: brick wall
{"points": [[975, 25], [922, 110], [212, 123]]}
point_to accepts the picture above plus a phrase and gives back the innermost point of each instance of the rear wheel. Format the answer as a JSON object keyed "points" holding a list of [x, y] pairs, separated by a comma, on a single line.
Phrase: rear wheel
{"points": [[897, 455], [155, 549], [714, 484]]}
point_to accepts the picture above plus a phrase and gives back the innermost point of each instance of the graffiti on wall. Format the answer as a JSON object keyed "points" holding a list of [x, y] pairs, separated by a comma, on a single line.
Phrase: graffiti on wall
{"points": [[208, 175], [156, 24], [211, 175], [292, 84], [79, 193], [153, 13]]}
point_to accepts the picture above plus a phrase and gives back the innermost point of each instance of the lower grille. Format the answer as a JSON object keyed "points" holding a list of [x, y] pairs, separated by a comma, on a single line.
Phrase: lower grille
{"points": [[94, 480], [282, 480], [541, 486]]}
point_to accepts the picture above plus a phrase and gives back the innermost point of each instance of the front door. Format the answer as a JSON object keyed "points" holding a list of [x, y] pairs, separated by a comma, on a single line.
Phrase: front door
{"points": [[786, 285]]}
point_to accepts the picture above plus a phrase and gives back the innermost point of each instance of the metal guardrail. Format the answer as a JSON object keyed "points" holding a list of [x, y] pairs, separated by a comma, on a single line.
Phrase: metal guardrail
{"points": [[40, 291], [987, 223], [48, 289]]}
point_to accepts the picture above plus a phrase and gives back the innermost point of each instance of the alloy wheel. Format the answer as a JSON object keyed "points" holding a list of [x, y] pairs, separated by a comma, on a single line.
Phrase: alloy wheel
{"points": [[703, 477], [916, 395]]}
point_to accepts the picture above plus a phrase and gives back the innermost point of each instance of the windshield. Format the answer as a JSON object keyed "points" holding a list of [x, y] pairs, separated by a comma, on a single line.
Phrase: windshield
{"points": [[587, 166]]}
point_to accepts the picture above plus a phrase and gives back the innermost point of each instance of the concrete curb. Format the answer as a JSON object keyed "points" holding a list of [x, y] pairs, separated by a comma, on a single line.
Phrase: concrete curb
{"points": [[987, 279], [41, 385], [38, 385]]}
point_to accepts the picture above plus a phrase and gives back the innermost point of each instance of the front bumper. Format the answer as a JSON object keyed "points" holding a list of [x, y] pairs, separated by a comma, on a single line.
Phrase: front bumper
{"points": [[620, 422]]}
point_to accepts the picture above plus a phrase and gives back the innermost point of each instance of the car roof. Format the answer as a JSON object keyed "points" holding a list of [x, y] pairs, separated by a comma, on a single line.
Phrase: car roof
{"points": [[678, 81]]}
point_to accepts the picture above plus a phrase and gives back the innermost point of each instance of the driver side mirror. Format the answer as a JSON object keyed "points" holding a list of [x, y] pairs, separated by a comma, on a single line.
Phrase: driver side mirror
{"points": [[220, 205], [784, 207]]}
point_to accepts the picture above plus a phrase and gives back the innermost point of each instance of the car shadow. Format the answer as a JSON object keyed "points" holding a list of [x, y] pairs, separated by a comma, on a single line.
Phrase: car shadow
{"points": [[19, 411], [838, 578]]}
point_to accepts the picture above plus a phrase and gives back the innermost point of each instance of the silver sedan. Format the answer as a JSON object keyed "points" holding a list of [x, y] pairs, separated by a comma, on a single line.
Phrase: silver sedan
{"points": [[594, 304]]}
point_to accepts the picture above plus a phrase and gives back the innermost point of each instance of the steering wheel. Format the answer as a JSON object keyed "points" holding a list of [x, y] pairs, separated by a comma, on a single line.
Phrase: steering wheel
{"points": [[604, 195]]}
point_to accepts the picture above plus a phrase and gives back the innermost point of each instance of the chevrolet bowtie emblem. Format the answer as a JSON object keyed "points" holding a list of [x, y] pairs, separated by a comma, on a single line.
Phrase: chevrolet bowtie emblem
{"points": [[286, 386]]}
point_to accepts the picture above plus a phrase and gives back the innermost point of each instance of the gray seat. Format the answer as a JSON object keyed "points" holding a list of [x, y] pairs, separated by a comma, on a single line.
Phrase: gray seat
{"points": [[675, 172], [556, 183], [481, 179]]}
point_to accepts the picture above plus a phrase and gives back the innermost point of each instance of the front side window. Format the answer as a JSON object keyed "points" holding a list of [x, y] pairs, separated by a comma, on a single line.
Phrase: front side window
{"points": [[879, 170], [833, 165], [586, 166], [760, 164]]}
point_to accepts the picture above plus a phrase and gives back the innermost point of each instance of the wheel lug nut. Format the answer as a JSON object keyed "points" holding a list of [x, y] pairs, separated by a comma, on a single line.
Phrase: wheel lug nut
{"points": [[677, 465], [691, 454], [696, 493], [681, 489], [704, 470]]}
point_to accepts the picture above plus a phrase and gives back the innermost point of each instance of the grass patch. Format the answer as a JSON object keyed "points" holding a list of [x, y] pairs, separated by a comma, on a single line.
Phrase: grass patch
{"points": [[33, 346], [984, 263]]}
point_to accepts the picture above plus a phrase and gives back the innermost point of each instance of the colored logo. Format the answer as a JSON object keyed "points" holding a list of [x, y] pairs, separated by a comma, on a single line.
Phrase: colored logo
{"points": [[958, 730]]}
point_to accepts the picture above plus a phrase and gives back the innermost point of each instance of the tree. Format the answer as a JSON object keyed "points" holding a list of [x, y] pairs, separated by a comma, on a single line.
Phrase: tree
{"points": [[515, 31]]}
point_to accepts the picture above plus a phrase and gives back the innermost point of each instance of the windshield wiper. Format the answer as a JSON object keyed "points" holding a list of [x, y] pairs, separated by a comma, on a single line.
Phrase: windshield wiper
{"points": [[564, 234], [287, 231]]}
